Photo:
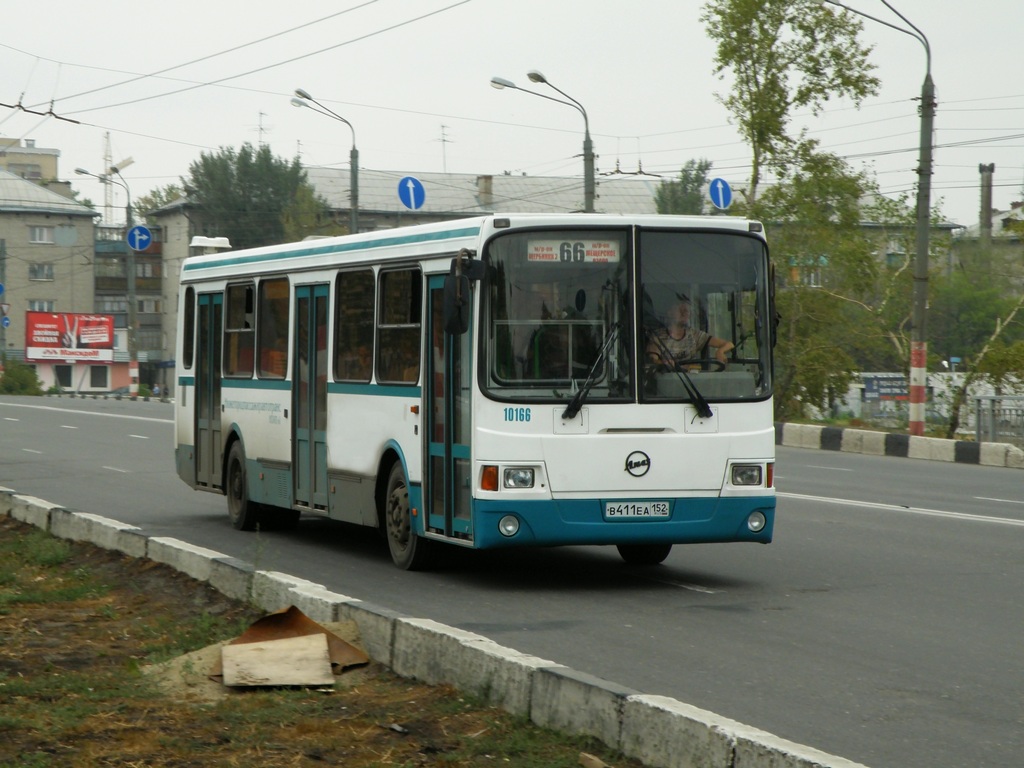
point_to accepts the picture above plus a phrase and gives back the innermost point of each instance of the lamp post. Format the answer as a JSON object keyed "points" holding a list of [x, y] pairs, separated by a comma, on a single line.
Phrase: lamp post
{"points": [[919, 315], [133, 351], [588, 145], [303, 99]]}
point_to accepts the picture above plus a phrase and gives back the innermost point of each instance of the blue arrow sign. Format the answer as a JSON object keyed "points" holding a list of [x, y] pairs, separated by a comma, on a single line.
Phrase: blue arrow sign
{"points": [[1, 289], [139, 238], [720, 193], [411, 192], [6, 322]]}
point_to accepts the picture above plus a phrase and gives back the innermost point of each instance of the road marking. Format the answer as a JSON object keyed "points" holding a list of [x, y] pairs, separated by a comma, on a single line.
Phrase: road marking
{"points": [[140, 437], [67, 426], [911, 510], [682, 585], [87, 413], [834, 469], [31, 450], [1001, 501], [118, 469], [8, 418]]}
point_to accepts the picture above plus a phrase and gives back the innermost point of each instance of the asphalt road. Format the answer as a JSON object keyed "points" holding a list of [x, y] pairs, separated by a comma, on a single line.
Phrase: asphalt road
{"points": [[884, 624]]}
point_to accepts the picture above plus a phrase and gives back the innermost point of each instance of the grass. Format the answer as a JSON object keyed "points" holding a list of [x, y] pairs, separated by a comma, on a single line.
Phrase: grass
{"points": [[89, 636]]}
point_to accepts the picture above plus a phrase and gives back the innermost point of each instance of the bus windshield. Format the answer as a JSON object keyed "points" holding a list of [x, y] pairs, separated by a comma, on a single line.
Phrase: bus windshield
{"points": [[594, 309]]}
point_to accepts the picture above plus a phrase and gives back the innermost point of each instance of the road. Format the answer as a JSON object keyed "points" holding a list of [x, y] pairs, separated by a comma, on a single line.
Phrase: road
{"points": [[884, 624]]}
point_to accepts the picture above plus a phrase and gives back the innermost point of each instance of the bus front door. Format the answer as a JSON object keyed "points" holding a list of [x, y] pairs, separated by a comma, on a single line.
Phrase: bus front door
{"points": [[448, 473], [207, 396], [309, 437]]}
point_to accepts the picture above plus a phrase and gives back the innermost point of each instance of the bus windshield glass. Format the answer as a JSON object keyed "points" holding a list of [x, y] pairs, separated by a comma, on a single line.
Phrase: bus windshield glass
{"points": [[674, 316], [555, 297]]}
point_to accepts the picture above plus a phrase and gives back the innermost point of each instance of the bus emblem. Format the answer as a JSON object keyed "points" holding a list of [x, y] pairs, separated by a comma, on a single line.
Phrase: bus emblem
{"points": [[638, 463]]}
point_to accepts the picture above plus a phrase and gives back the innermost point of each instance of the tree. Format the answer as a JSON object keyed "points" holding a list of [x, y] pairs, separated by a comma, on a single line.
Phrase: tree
{"points": [[784, 55], [684, 195], [156, 198], [18, 378], [243, 195]]}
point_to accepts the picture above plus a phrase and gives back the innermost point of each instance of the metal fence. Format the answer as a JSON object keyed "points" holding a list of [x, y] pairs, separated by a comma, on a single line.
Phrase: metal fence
{"points": [[999, 419]]}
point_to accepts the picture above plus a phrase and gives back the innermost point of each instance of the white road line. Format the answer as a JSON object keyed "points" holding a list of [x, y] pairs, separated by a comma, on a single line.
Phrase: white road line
{"points": [[910, 510], [834, 469], [8, 418], [87, 413], [117, 469], [67, 426], [31, 450], [1001, 501], [140, 437]]}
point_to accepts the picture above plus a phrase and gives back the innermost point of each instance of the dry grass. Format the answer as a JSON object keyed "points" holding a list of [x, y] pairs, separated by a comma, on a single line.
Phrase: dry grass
{"points": [[104, 660]]}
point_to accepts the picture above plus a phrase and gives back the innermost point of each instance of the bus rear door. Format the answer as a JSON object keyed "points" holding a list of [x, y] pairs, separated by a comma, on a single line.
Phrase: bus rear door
{"points": [[207, 397]]}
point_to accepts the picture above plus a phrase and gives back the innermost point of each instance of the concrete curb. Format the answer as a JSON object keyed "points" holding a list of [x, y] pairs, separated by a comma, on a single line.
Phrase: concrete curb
{"points": [[660, 731], [905, 446]]}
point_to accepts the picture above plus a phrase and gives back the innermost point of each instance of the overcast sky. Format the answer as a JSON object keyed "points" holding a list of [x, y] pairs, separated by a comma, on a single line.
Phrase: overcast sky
{"points": [[167, 81]]}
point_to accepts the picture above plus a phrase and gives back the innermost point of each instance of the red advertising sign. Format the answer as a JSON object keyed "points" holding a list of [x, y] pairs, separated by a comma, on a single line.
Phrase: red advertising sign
{"points": [[65, 337]]}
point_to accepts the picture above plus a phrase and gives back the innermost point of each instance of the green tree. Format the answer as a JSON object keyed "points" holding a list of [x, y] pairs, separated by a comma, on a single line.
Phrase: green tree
{"points": [[826, 273], [156, 198], [684, 195], [784, 55], [19, 379], [307, 215], [243, 194]]}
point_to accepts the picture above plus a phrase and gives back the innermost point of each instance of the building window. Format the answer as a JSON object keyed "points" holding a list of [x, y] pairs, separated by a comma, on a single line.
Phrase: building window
{"points": [[62, 373], [98, 378], [42, 305], [40, 271], [40, 235]]}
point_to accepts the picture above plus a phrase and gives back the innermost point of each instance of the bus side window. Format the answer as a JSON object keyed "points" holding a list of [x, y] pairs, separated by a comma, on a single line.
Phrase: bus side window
{"points": [[189, 329], [272, 328], [353, 331], [398, 350], [238, 331]]}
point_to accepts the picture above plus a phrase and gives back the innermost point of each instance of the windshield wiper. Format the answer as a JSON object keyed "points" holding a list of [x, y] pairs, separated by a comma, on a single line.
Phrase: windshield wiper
{"points": [[703, 409], [576, 403]]}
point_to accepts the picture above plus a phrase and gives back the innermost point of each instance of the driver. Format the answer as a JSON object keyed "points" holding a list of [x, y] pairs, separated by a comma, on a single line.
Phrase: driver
{"points": [[678, 341]]}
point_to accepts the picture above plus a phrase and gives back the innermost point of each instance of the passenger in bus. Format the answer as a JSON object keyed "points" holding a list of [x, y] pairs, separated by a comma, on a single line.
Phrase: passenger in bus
{"points": [[677, 340]]}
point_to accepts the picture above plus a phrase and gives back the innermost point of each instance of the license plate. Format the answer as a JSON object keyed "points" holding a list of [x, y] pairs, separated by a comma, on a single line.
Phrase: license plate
{"points": [[629, 510]]}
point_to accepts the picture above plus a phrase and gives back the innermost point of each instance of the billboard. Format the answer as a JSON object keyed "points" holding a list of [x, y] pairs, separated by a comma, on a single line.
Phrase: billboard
{"points": [[67, 337]]}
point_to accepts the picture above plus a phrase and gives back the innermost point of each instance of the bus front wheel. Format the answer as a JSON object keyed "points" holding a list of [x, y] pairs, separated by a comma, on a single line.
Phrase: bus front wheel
{"points": [[409, 551], [243, 511], [644, 554]]}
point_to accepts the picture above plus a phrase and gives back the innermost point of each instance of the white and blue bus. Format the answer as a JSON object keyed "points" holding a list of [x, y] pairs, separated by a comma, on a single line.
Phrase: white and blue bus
{"points": [[487, 383]]}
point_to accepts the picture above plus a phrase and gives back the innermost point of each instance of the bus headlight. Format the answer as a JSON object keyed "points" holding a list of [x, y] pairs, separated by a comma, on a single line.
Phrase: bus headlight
{"points": [[518, 477], [756, 521], [746, 474], [509, 525]]}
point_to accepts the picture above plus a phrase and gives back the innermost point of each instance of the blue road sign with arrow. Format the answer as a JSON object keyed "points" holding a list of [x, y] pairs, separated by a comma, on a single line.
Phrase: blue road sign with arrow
{"points": [[139, 238], [720, 193], [411, 192]]}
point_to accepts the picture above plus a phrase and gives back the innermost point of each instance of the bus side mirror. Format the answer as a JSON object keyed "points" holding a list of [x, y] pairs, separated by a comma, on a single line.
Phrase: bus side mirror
{"points": [[456, 304], [457, 295]]}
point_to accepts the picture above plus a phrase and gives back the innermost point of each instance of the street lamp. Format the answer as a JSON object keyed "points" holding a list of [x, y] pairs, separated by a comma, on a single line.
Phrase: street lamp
{"points": [[588, 145], [133, 351], [918, 335], [303, 99]]}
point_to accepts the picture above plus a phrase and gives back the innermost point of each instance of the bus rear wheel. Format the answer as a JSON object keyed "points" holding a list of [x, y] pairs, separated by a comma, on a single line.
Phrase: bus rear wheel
{"points": [[408, 551], [644, 554], [243, 511]]}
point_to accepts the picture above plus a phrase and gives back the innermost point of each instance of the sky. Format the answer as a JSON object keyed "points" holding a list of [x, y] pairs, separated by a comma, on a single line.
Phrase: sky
{"points": [[162, 83]]}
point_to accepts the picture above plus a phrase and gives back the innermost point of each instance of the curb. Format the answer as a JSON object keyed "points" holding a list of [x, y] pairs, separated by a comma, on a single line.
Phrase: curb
{"points": [[660, 731], [901, 445]]}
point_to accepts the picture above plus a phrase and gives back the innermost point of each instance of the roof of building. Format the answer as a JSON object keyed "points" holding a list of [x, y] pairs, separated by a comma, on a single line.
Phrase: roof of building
{"points": [[1008, 225], [474, 194], [18, 195]]}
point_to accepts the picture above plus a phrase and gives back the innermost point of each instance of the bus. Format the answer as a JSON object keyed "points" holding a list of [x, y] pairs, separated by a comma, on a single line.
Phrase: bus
{"points": [[487, 382]]}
